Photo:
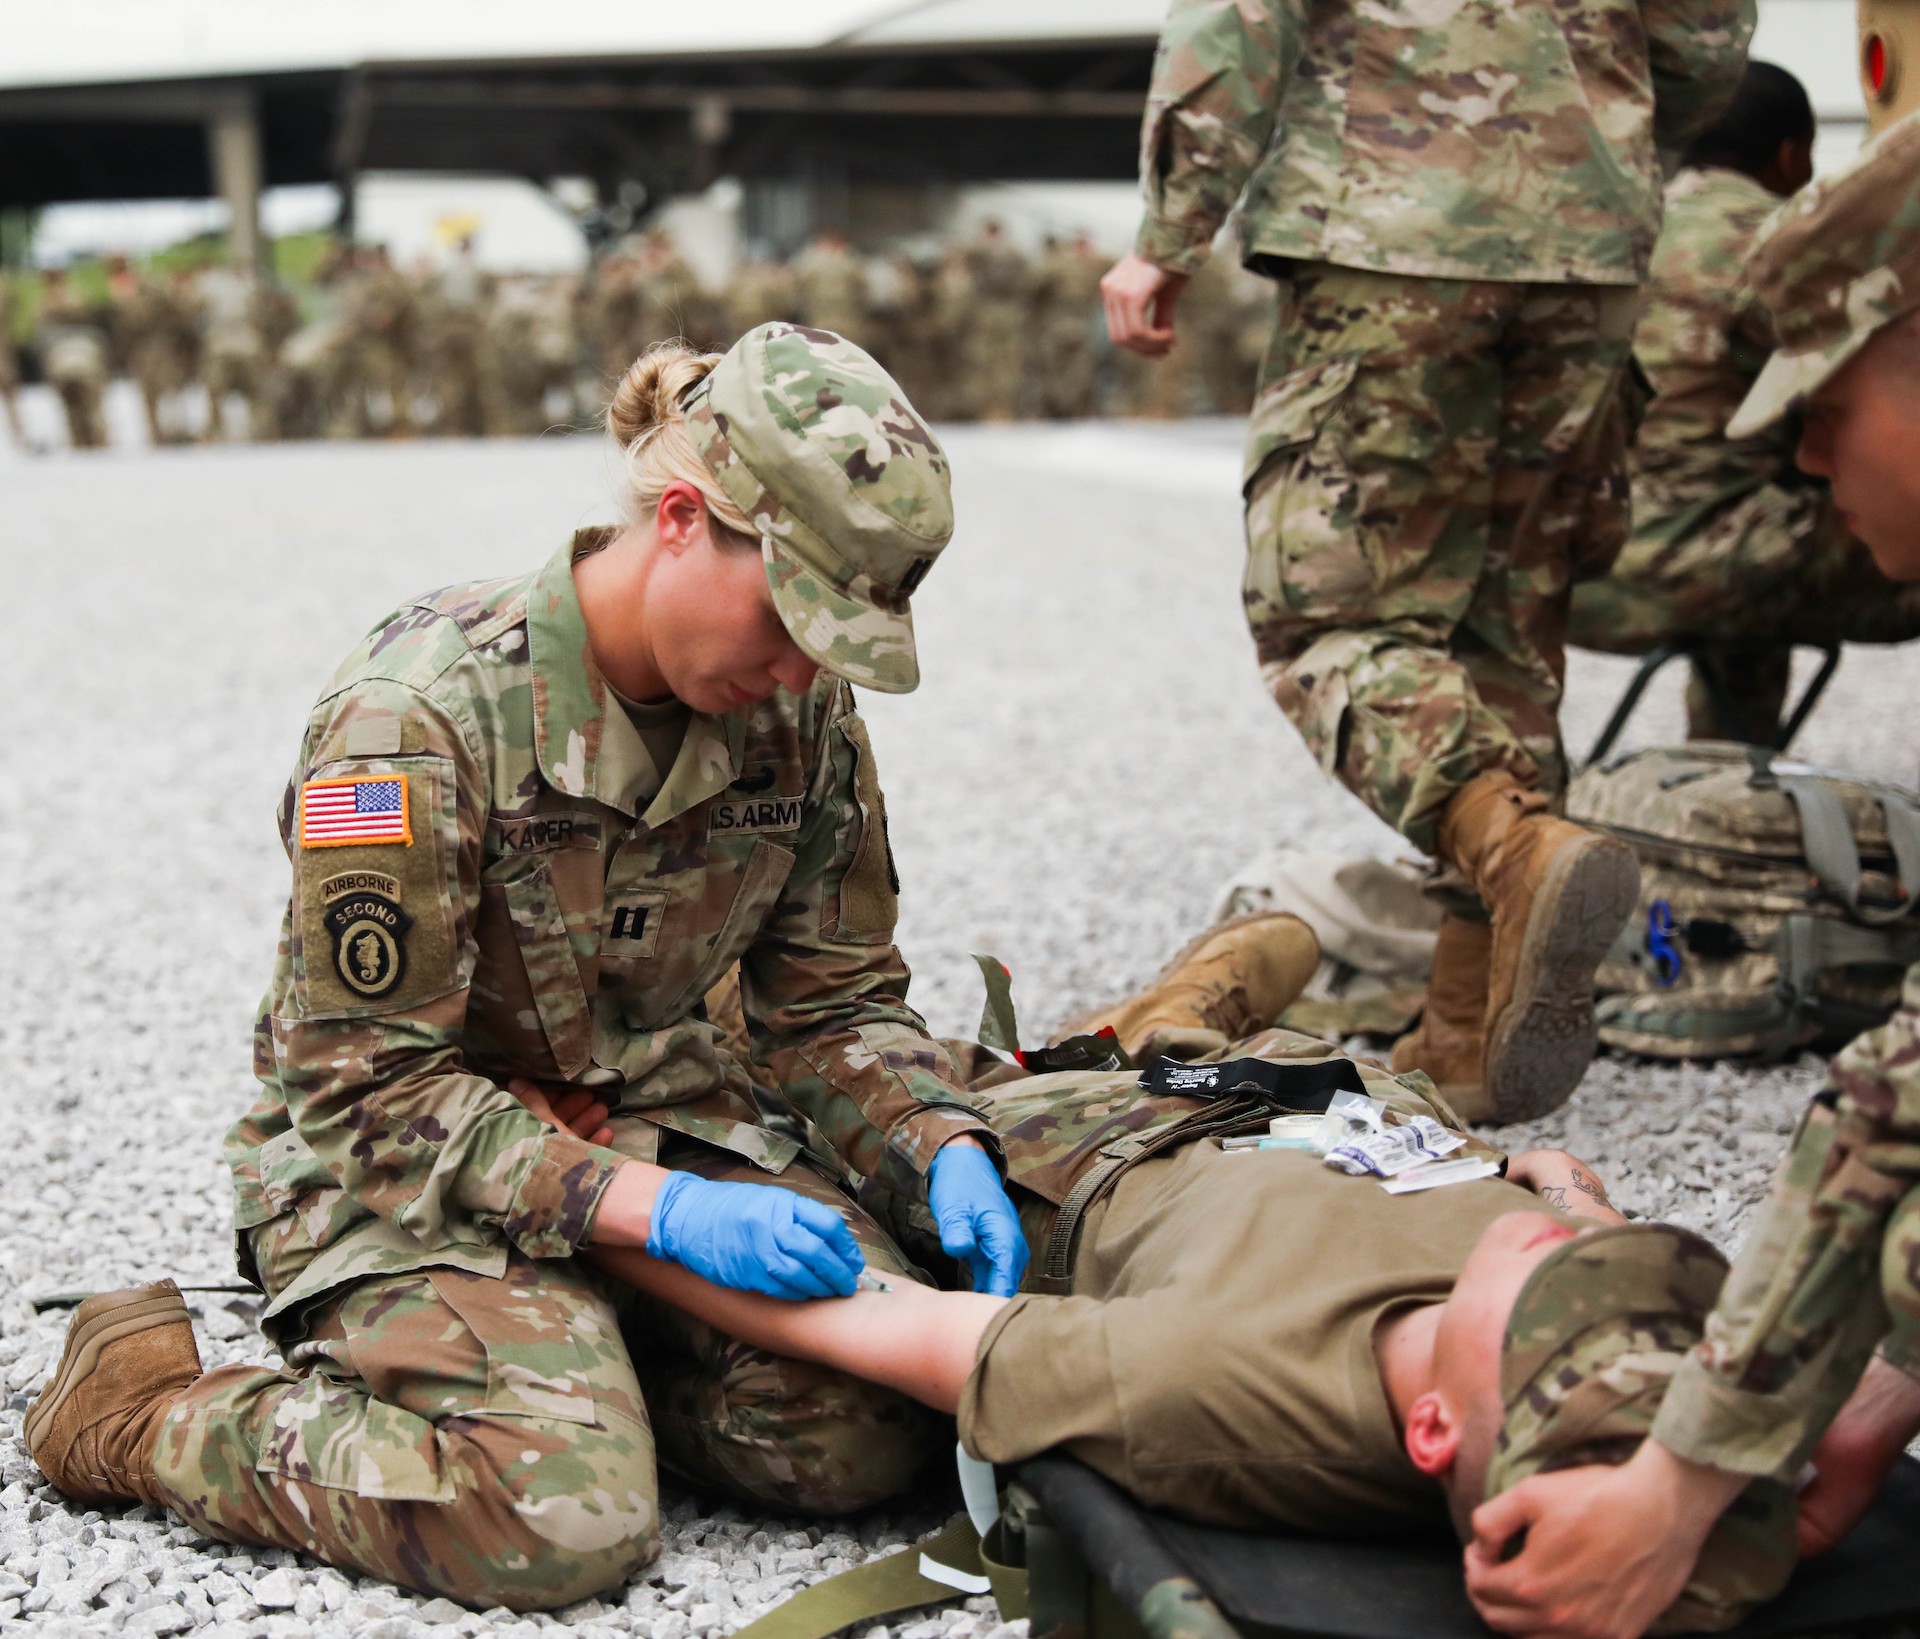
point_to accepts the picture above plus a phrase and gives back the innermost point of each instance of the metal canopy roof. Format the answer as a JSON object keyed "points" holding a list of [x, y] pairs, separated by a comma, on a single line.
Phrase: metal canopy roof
{"points": [[111, 100]]}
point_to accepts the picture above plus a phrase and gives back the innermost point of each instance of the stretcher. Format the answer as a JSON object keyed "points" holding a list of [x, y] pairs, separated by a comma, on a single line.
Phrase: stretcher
{"points": [[1079, 1559], [1098, 1566]]}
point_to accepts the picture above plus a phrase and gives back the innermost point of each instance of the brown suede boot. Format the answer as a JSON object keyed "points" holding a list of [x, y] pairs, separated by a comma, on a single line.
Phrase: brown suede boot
{"points": [[96, 1424], [1234, 979], [1449, 1043], [1558, 894]]}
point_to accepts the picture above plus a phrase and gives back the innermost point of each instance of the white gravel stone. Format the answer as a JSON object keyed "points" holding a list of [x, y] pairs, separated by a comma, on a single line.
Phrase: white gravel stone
{"points": [[1090, 756], [277, 1590]]}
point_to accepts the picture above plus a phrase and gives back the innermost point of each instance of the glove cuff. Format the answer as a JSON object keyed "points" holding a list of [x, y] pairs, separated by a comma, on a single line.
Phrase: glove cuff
{"points": [[660, 1236]]}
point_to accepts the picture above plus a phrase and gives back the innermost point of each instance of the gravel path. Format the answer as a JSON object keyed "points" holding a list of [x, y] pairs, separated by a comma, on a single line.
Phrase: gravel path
{"points": [[1090, 757]]}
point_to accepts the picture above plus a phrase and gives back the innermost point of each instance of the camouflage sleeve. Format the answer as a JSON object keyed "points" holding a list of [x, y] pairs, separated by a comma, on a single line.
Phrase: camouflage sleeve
{"points": [[1697, 50], [824, 990], [371, 994], [1218, 76], [1831, 1269]]}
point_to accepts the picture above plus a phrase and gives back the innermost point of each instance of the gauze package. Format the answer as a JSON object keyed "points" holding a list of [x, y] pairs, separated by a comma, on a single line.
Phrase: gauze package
{"points": [[1393, 1150]]}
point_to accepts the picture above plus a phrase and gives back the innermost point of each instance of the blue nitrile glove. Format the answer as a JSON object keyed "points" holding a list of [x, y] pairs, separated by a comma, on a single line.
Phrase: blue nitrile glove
{"points": [[757, 1237], [977, 1221]]}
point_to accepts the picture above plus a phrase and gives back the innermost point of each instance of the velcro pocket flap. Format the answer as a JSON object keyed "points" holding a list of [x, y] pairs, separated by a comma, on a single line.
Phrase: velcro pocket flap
{"points": [[1292, 411], [540, 930]]}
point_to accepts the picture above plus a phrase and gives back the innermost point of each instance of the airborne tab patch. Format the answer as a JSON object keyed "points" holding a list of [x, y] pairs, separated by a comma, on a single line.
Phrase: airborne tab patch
{"points": [[365, 808]]}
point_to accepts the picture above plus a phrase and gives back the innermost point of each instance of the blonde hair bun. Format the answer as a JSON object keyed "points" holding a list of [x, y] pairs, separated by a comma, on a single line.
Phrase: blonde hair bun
{"points": [[648, 420], [651, 392]]}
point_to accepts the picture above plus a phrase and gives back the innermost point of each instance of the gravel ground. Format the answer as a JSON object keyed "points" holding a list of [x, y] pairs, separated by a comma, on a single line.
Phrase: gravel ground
{"points": [[1090, 757]]}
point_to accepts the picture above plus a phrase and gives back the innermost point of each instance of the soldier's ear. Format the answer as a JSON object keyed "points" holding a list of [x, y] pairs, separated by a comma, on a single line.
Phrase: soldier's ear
{"points": [[680, 517], [1433, 1436]]}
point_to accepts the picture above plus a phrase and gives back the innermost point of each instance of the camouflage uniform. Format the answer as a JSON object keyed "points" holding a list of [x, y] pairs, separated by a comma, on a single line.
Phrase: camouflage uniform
{"points": [[995, 344], [1457, 214], [1831, 1269], [460, 1410], [234, 353], [457, 344], [531, 333], [380, 318], [73, 356], [830, 288], [9, 358], [1732, 546], [154, 335], [1066, 295]]}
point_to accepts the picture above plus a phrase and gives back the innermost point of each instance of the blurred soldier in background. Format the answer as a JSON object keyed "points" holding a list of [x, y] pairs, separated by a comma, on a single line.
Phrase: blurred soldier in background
{"points": [[1733, 549], [610, 312], [1066, 298], [921, 357], [996, 338], [381, 324], [73, 357], [155, 337], [10, 358], [673, 305], [758, 292], [830, 287], [1457, 213], [534, 338], [235, 357], [457, 348]]}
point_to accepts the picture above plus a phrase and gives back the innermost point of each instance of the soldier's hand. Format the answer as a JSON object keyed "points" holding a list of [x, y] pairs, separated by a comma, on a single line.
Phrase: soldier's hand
{"points": [[1602, 1551], [976, 1220], [754, 1237], [572, 1109], [1854, 1456], [1140, 297]]}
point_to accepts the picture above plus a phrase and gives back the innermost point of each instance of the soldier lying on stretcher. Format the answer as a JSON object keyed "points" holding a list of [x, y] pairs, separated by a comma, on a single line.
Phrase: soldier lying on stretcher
{"points": [[1253, 1338]]}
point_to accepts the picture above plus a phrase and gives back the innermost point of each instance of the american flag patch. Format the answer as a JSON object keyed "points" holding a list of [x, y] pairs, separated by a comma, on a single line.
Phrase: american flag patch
{"points": [[369, 808]]}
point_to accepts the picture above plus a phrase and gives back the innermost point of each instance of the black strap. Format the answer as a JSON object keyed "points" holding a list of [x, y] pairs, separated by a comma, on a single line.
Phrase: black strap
{"points": [[1296, 1088]]}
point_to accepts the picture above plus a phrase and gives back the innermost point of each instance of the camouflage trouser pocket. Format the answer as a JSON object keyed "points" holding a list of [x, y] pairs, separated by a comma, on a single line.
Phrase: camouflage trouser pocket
{"points": [[330, 1431], [1305, 558], [543, 1342]]}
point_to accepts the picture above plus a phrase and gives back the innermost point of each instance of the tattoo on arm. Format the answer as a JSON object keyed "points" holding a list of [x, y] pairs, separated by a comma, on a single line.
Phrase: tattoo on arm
{"points": [[1587, 1184], [1554, 1196]]}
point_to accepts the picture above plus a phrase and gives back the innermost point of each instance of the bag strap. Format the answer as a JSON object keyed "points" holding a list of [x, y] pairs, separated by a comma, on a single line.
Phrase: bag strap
{"points": [[954, 1563], [896, 1582], [1810, 945], [1827, 837], [1903, 842]]}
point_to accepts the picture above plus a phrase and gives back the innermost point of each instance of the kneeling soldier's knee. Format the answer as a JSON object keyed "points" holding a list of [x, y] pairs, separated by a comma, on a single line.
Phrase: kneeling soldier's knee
{"points": [[553, 1513]]}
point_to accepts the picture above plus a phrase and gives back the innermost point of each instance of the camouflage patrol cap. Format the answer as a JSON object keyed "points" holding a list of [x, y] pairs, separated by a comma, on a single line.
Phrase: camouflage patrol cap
{"points": [[1834, 265], [1595, 1336], [818, 445]]}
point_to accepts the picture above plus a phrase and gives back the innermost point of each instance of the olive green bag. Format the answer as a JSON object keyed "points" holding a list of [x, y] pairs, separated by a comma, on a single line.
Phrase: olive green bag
{"points": [[1777, 900]]}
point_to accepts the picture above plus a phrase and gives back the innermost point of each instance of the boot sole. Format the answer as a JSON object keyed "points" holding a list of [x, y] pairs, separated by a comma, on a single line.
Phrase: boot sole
{"points": [[117, 1316], [1543, 1042]]}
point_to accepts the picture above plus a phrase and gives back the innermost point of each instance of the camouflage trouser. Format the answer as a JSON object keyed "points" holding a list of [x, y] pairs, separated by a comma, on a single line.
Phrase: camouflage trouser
{"points": [[1430, 464], [494, 1440], [1830, 1269], [81, 398], [249, 376], [1775, 568]]}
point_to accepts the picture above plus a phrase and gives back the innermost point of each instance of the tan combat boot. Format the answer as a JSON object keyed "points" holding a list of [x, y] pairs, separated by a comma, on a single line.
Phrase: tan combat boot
{"points": [[1234, 979], [1449, 1043], [96, 1424], [1558, 893]]}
